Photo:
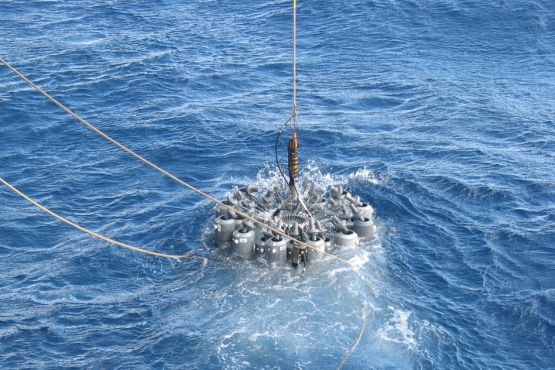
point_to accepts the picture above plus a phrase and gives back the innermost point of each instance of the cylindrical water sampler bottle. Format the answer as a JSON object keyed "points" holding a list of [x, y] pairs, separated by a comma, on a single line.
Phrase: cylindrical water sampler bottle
{"points": [[225, 226], [243, 242]]}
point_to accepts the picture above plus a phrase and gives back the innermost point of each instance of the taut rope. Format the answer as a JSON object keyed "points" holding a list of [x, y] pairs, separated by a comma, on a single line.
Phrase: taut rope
{"points": [[85, 230], [166, 173]]}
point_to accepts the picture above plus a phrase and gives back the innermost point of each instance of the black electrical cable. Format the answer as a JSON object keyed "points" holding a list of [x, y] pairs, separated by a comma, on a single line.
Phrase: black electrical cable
{"points": [[276, 151]]}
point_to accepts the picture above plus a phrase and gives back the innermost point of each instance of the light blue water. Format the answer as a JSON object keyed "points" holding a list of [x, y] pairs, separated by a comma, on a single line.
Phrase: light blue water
{"points": [[440, 113]]}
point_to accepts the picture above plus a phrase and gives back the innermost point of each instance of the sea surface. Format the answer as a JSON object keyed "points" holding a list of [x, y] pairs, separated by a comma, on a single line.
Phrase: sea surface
{"points": [[440, 113]]}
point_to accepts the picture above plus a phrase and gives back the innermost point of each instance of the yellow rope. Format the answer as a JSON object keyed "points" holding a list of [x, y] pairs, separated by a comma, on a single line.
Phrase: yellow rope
{"points": [[164, 172], [85, 230]]}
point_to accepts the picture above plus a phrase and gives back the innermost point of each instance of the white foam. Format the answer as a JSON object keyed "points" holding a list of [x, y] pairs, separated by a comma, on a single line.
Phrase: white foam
{"points": [[363, 174], [397, 329], [359, 260], [269, 177], [254, 337]]}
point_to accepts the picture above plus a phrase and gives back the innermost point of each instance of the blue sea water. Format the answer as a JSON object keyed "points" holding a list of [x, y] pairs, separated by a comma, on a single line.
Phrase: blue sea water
{"points": [[439, 113]]}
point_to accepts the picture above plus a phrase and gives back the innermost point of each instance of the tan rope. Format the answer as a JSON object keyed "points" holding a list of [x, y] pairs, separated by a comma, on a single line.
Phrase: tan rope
{"points": [[164, 172], [179, 181], [357, 341], [85, 230]]}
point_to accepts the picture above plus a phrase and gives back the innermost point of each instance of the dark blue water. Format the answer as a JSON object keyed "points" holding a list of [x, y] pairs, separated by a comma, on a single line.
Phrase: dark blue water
{"points": [[440, 113]]}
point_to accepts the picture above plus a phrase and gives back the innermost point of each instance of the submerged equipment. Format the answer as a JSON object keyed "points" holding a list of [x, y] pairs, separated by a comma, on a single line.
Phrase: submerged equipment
{"points": [[295, 235], [310, 221], [334, 218]]}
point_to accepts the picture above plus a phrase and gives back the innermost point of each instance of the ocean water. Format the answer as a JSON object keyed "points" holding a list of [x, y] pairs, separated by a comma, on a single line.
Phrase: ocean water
{"points": [[439, 113]]}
